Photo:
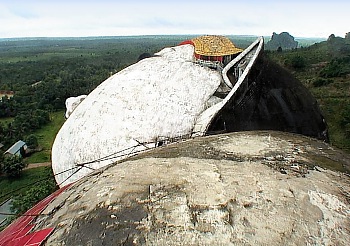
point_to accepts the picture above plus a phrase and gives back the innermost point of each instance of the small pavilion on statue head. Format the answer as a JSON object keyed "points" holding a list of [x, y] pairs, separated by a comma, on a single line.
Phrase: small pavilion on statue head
{"points": [[213, 50]]}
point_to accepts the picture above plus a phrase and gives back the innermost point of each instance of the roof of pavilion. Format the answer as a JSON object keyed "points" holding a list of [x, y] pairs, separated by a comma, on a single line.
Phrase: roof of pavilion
{"points": [[213, 45]]}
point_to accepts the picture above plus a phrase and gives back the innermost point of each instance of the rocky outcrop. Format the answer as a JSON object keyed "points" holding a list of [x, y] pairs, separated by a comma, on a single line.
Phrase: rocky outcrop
{"points": [[338, 47], [284, 40], [331, 37], [347, 35], [276, 101], [247, 188]]}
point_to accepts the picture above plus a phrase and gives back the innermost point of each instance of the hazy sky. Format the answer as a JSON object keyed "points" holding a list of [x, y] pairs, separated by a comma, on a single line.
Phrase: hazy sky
{"points": [[77, 18]]}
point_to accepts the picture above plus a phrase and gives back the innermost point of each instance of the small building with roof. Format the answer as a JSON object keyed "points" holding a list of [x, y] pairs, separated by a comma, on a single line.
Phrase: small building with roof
{"points": [[213, 50], [7, 94], [16, 148]]}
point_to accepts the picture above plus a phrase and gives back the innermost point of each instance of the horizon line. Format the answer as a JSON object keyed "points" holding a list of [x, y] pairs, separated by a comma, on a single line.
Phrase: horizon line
{"points": [[143, 35]]}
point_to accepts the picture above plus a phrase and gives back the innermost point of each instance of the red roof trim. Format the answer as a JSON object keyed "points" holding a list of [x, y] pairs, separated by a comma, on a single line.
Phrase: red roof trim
{"points": [[187, 42], [17, 233]]}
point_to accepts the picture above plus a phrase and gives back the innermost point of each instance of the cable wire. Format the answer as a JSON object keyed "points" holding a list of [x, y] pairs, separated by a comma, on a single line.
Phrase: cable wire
{"points": [[105, 158]]}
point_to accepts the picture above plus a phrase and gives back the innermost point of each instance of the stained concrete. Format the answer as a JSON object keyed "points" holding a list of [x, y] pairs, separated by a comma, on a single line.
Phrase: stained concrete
{"points": [[247, 188]]}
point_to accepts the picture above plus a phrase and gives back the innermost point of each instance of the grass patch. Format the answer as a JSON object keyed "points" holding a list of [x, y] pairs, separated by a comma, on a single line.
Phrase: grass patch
{"points": [[29, 178], [328, 163], [46, 136], [327, 75], [332, 108], [6, 120]]}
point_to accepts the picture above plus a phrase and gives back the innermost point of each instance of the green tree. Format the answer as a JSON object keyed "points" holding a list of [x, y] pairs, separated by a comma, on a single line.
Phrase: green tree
{"points": [[2, 132], [296, 62], [333, 69], [1, 161], [345, 120], [31, 141], [13, 165], [21, 203], [318, 82]]}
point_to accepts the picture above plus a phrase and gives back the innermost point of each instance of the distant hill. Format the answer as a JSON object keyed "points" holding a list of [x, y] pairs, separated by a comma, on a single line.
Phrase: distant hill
{"points": [[305, 42], [324, 68], [283, 41], [338, 46]]}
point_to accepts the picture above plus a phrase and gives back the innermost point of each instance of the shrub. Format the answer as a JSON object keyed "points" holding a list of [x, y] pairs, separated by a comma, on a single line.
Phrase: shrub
{"points": [[318, 82], [333, 69], [22, 202], [13, 165], [31, 141], [345, 120], [1, 161], [336, 68], [296, 62]]}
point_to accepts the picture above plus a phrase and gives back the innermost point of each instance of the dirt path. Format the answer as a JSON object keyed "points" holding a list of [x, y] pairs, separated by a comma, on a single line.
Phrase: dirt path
{"points": [[34, 165]]}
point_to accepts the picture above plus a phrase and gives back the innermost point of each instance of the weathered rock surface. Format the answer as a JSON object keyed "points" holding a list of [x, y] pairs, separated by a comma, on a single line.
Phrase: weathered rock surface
{"points": [[277, 101], [347, 35], [283, 40], [246, 188]]}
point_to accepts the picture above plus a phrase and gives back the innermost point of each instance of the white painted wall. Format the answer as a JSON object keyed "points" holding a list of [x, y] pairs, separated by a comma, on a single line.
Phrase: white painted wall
{"points": [[72, 103], [158, 96]]}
